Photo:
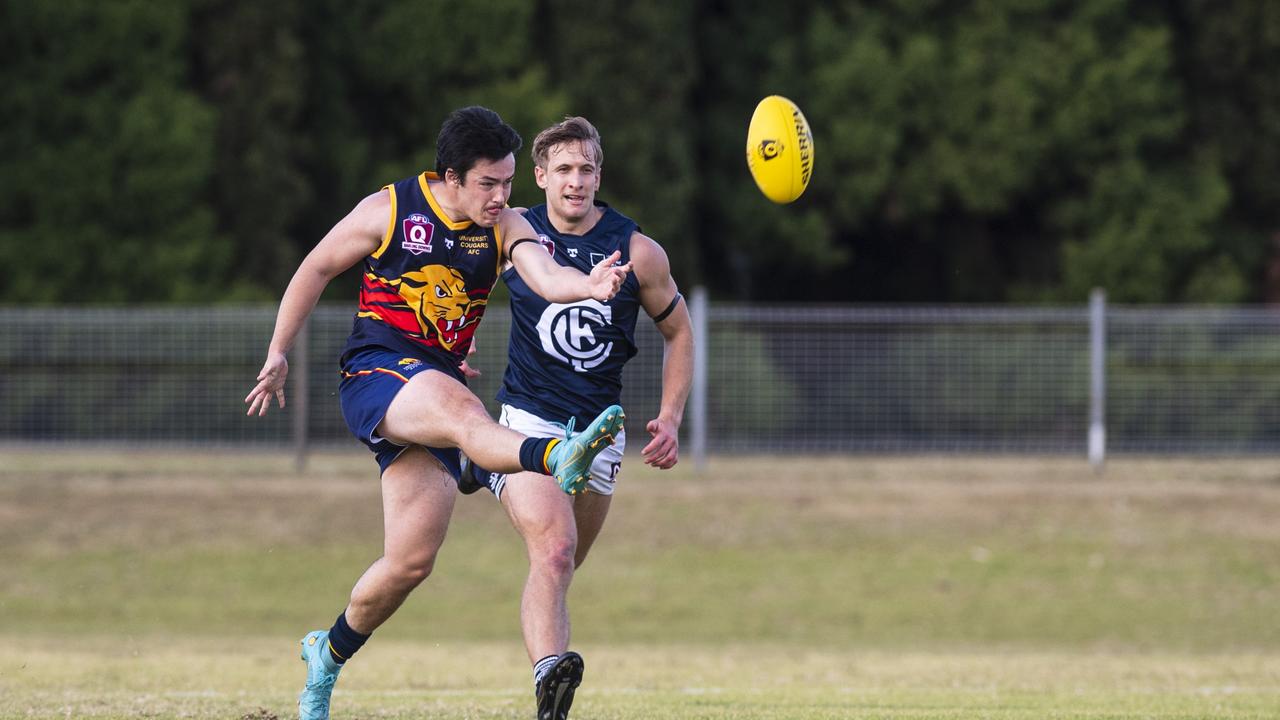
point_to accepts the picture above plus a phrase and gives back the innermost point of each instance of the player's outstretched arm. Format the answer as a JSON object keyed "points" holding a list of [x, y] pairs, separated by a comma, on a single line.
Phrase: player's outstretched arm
{"points": [[359, 234], [554, 282], [662, 301]]}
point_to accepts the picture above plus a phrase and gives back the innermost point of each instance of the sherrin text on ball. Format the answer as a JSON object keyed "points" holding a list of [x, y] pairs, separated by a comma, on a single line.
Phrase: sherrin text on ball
{"points": [[780, 149]]}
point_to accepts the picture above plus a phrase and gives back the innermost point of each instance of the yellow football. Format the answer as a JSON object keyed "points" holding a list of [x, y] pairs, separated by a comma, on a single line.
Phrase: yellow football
{"points": [[780, 149]]}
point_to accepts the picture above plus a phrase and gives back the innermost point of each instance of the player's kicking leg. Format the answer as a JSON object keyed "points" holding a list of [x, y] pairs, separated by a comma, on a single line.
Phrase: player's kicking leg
{"points": [[570, 460]]}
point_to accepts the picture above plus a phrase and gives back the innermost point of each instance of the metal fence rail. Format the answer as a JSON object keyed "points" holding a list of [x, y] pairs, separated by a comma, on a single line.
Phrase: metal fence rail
{"points": [[778, 379]]}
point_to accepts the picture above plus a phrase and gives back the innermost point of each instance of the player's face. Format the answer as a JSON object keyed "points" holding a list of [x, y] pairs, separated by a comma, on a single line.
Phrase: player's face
{"points": [[487, 189], [571, 179]]}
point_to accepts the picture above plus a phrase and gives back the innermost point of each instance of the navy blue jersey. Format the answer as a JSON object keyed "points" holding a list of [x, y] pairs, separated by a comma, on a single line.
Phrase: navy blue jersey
{"points": [[425, 289], [565, 360]]}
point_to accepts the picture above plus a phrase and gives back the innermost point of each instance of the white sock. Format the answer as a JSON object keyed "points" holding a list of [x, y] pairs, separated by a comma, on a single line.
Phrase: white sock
{"points": [[541, 667]]}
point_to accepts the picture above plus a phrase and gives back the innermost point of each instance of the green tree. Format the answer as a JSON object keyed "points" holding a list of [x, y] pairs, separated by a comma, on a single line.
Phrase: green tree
{"points": [[750, 248], [980, 151], [632, 69], [250, 63], [108, 158], [984, 151], [375, 105], [1227, 55]]}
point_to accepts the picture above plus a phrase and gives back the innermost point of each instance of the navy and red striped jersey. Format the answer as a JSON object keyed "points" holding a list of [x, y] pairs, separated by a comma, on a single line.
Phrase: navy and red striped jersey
{"points": [[425, 289]]}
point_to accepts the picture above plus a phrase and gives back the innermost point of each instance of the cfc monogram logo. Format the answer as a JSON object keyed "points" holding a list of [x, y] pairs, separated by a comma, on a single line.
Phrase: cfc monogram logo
{"points": [[568, 333]]}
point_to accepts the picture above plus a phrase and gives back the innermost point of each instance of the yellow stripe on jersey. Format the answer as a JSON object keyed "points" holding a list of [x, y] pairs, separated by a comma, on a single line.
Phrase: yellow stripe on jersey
{"points": [[497, 236], [358, 373], [370, 314], [431, 200], [391, 225]]}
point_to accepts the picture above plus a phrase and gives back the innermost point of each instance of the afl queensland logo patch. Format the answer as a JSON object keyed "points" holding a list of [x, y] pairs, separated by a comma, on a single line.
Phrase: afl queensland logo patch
{"points": [[547, 244], [568, 333], [417, 234]]}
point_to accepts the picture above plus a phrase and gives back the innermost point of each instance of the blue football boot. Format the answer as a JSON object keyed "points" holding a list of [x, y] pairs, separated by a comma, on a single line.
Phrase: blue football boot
{"points": [[570, 460], [322, 673]]}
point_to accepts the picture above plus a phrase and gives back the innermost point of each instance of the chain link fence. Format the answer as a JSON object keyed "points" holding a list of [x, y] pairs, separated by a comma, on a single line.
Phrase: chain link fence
{"points": [[778, 379]]}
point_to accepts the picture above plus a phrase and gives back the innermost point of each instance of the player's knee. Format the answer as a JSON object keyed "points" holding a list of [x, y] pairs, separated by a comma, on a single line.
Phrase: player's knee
{"points": [[471, 424], [557, 556], [411, 570]]}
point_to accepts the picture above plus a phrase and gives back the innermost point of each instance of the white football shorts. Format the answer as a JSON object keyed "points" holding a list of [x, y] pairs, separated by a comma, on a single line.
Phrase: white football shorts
{"points": [[604, 469]]}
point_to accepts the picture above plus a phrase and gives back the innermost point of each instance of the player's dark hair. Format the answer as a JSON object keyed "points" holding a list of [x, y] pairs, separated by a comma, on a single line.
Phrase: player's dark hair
{"points": [[568, 130], [471, 134]]}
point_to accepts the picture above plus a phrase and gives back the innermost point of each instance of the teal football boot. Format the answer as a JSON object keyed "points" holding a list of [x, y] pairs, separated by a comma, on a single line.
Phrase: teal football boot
{"points": [[570, 460], [322, 673]]}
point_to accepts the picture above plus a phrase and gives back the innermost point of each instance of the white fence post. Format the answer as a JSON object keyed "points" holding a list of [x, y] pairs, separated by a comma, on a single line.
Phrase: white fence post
{"points": [[698, 394], [1097, 378]]}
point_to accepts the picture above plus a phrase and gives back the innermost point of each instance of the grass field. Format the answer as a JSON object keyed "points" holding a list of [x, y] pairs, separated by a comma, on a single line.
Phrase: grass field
{"points": [[159, 586]]}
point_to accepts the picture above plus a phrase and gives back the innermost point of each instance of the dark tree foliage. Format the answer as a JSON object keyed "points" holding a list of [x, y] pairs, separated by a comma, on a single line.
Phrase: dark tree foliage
{"points": [[108, 157], [985, 151]]}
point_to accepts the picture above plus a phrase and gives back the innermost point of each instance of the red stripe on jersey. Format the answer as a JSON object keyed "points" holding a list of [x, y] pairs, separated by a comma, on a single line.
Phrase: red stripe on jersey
{"points": [[400, 318]]}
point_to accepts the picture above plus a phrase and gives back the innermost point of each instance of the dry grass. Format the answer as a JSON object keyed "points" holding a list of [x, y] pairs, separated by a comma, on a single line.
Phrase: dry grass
{"points": [[175, 585], [95, 678], [70, 499]]}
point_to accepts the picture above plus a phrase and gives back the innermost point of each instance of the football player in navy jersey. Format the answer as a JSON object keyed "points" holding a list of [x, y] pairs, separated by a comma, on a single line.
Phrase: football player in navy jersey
{"points": [[565, 359], [431, 246]]}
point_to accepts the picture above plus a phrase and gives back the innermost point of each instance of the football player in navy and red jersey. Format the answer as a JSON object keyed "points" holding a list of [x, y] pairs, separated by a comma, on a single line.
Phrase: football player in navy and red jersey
{"points": [[565, 360], [431, 246]]}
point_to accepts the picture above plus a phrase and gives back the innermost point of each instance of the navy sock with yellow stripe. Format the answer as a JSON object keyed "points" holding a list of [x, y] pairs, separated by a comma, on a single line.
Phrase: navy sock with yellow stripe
{"points": [[533, 454], [343, 641]]}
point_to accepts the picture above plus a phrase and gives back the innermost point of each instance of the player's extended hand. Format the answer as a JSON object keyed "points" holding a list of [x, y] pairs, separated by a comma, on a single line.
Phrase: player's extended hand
{"points": [[606, 278], [270, 382], [663, 451]]}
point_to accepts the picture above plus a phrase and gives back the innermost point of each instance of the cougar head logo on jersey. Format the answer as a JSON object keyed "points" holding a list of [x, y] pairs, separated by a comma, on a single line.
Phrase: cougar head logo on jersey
{"points": [[438, 296]]}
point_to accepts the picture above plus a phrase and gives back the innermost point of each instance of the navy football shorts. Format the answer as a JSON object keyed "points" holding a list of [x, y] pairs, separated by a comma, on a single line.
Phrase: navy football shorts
{"points": [[370, 380]]}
